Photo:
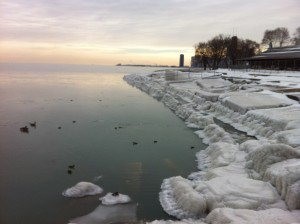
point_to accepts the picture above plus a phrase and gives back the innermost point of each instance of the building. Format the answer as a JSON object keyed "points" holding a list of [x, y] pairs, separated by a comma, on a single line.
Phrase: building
{"points": [[281, 58], [181, 60]]}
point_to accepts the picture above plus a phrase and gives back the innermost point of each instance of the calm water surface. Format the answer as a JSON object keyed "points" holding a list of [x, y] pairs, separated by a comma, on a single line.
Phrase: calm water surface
{"points": [[88, 104]]}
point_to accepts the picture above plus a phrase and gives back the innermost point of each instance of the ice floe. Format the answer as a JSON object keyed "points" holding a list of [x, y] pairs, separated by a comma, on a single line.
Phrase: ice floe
{"points": [[82, 189]]}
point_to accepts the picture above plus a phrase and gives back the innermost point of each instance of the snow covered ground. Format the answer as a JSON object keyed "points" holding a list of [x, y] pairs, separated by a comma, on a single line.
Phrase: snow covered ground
{"points": [[239, 180]]}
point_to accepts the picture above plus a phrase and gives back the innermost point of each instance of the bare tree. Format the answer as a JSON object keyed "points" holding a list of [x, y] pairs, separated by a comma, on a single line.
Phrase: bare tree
{"points": [[203, 53], [218, 46], [276, 37], [296, 37]]}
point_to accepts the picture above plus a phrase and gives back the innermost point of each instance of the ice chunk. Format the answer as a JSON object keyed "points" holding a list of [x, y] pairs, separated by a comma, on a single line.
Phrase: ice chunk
{"points": [[214, 133], [266, 155], [293, 196], [290, 137], [239, 192], [184, 221], [283, 175], [180, 198], [245, 216], [216, 155], [115, 198], [252, 145], [82, 189], [199, 120], [124, 213]]}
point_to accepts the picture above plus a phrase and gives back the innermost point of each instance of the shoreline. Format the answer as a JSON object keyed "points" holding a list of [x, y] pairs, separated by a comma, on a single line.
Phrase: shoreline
{"points": [[258, 176]]}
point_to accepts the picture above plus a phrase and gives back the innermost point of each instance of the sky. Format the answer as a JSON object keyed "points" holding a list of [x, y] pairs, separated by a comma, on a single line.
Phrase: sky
{"points": [[107, 32]]}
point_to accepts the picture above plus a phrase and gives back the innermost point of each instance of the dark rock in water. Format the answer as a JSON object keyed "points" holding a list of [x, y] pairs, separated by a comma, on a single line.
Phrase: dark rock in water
{"points": [[74, 122], [24, 129], [115, 194], [120, 213], [154, 141], [70, 171], [192, 147], [134, 143], [33, 124], [59, 127], [71, 166]]}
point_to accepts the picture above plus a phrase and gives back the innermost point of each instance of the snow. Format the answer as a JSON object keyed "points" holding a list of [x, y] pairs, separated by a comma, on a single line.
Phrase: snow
{"points": [[249, 182], [82, 189]]}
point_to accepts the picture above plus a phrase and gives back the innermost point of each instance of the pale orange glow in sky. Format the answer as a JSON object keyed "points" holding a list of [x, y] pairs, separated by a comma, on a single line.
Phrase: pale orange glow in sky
{"points": [[130, 31]]}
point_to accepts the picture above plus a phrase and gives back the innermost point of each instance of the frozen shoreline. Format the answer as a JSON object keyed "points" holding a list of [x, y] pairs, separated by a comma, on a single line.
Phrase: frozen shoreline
{"points": [[248, 179]]}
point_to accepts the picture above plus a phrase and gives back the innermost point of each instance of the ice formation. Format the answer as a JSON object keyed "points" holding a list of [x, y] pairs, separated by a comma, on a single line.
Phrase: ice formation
{"points": [[260, 174], [114, 198], [82, 189], [245, 216], [109, 214]]}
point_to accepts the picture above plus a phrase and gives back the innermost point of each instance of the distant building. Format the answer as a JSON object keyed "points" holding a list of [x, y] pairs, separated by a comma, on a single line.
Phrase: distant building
{"points": [[181, 61], [282, 58]]}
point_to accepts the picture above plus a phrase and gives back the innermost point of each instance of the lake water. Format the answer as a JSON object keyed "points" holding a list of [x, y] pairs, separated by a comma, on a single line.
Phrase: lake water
{"points": [[87, 116]]}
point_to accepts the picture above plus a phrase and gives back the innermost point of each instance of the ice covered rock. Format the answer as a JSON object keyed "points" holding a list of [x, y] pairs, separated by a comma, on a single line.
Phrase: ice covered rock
{"points": [[290, 137], [179, 199], [266, 155], [82, 189], [234, 169], [125, 213], [199, 120], [216, 155], [292, 198], [243, 102], [283, 175], [214, 133], [184, 221], [245, 216], [182, 199], [252, 145], [114, 198]]}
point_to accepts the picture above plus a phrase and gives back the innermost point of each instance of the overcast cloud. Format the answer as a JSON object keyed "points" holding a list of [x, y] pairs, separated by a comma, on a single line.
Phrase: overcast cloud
{"points": [[141, 26]]}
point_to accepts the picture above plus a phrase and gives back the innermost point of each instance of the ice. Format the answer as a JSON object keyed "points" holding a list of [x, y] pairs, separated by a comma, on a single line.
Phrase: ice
{"points": [[115, 198], [214, 133], [82, 189], [124, 213], [242, 102], [283, 175], [245, 216], [183, 199], [178, 198], [257, 174], [216, 155], [266, 155]]}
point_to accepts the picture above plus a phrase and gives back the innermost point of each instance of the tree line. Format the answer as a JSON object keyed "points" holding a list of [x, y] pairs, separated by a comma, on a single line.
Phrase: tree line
{"points": [[227, 50]]}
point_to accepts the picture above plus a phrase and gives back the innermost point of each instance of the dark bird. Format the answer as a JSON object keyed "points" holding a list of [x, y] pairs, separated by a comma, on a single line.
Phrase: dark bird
{"points": [[192, 147], [115, 194], [59, 127], [71, 166], [134, 143], [154, 141], [33, 124], [120, 127], [74, 122], [69, 171], [24, 129], [116, 128]]}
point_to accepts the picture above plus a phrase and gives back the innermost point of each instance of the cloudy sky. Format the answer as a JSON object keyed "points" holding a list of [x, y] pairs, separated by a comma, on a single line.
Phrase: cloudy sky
{"points": [[130, 31]]}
